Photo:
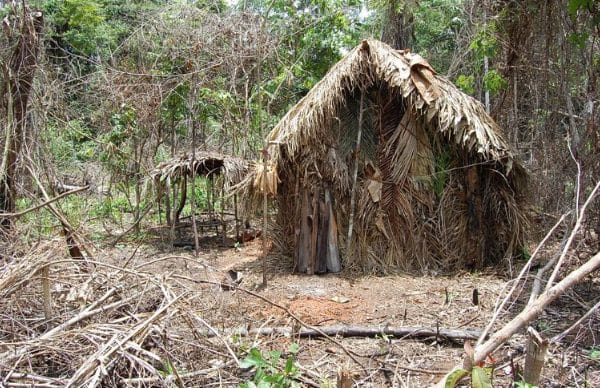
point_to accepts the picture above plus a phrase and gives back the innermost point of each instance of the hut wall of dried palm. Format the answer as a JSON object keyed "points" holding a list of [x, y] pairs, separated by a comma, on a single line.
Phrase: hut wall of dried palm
{"points": [[437, 186]]}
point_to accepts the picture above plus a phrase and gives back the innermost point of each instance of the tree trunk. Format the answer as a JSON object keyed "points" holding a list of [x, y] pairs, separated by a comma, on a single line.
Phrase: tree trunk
{"points": [[19, 73], [398, 30]]}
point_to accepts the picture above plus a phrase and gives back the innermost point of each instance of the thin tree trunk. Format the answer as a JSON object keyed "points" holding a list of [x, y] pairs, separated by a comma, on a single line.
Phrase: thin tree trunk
{"points": [[19, 74], [193, 200]]}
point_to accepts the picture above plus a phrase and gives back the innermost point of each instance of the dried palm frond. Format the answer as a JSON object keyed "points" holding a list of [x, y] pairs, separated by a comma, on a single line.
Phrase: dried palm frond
{"points": [[206, 164]]}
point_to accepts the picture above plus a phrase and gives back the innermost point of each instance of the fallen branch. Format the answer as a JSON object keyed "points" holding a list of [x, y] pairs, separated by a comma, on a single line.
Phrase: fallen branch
{"points": [[353, 331], [536, 308], [45, 203], [287, 311], [578, 323], [531, 312]]}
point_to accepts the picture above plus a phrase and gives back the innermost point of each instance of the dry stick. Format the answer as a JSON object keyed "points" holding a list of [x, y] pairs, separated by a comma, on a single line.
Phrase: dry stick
{"points": [[536, 354], [576, 324], [104, 354], [288, 312], [32, 377], [529, 313], [571, 237], [354, 331], [525, 268], [88, 312], [143, 380], [41, 205], [533, 310], [355, 173], [65, 223], [216, 333]]}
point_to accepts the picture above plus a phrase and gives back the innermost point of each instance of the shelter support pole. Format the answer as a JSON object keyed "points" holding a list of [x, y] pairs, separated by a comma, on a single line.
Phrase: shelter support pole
{"points": [[355, 173]]}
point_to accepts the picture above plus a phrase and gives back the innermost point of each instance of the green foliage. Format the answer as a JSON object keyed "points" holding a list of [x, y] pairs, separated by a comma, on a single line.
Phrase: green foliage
{"points": [[523, 384], [70, 143], [314, 34], [454, 377], [595, 353], [82, 24], [480, 378], [524, 253], [485, 43], [120, 143], [269, 372], [494, 82], [574, 6], [466, 83], [436, 24]]}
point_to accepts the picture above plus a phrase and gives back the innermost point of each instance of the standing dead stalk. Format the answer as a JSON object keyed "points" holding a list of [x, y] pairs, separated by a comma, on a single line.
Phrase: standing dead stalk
{"points": [[264, 228], [355, 173]]}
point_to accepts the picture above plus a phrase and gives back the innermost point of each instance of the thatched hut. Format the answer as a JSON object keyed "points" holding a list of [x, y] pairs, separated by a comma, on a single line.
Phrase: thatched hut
{"points": [[222, 172], [391, 167]]}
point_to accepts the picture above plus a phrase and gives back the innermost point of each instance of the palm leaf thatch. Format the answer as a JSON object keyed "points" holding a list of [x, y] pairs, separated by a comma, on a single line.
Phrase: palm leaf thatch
{"points": [[206, 164], [437, 185]]}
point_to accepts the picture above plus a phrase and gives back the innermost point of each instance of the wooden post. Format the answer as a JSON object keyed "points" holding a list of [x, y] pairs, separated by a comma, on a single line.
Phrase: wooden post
{"points": [[265, 189], [236, 218], [355, 173], [534, 360], [223, 226], [46, 292]]}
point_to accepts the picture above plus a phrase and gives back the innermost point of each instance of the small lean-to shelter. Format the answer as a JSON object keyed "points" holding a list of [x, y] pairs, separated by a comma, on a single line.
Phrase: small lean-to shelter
{"points": [[390, 167], [181, 170]]}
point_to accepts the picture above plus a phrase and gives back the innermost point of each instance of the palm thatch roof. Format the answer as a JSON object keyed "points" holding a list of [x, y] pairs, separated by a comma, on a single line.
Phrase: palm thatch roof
{"points": [[442, 104], [435, 178], [202, 163]]}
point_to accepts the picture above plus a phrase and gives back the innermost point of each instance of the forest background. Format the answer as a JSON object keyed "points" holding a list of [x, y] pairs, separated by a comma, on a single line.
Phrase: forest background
{"points": [[122, 85]]}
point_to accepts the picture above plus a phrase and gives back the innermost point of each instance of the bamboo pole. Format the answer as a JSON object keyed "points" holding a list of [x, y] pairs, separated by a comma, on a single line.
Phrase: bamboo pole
{"points": [[355, 174]]}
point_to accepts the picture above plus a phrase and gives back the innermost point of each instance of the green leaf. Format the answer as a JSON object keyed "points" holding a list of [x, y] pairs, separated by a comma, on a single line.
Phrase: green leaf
{"points": [[454, 377], [480, 379], [294, 348], [254, 358], [595, 354], [289, 366], [274, 356]]}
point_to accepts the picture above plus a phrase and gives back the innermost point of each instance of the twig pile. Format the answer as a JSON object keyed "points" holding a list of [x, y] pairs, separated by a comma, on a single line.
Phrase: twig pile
{"points": [[113, 326]]}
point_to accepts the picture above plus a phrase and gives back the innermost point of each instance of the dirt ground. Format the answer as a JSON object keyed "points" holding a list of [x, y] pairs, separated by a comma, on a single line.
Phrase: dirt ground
{"points": [[380, 301], [147, 314]]}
